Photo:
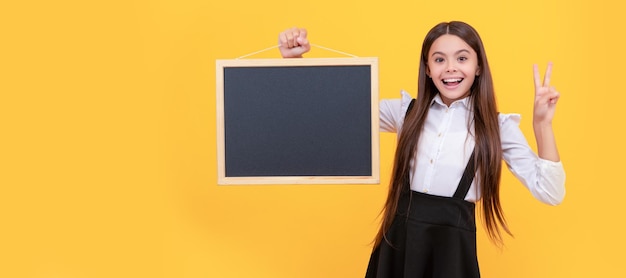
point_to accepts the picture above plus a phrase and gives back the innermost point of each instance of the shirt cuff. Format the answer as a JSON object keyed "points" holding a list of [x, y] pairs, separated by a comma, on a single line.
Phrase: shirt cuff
{"points": [[553, 180]]}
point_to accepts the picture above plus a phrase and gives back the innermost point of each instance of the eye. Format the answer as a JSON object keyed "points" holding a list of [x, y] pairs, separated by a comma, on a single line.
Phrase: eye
{"points": [[462, 59], [438, 60]]}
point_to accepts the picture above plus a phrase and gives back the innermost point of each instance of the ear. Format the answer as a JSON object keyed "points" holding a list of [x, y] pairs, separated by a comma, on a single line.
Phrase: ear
{"points": [[478, 71], [428, 72]]}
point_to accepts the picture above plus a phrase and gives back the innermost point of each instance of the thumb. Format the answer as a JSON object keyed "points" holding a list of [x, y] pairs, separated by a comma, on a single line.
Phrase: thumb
{"points": [[302, 38], [304, 43], [303, 33]]}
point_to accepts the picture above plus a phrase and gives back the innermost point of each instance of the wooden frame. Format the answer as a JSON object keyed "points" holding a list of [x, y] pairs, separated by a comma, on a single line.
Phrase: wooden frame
{"points": [[221, 65]]}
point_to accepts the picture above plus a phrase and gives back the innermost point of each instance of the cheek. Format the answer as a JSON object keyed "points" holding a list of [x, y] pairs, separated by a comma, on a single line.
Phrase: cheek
{"points": [[433, 71], [472, 81]]}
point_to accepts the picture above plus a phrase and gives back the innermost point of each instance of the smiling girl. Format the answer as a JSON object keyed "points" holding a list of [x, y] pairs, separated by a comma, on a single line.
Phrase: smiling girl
{"points": [[451, 143]]}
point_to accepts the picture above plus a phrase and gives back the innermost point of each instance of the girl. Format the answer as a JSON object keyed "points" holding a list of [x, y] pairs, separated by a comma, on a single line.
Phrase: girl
{"points": [[451, 141]]}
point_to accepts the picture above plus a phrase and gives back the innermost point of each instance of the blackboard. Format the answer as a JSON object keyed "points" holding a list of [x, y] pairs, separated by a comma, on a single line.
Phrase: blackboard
{"points": [[294, 121]]}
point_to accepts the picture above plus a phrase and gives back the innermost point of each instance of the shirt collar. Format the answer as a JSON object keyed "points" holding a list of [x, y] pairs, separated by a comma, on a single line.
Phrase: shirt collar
{"points": [[464, 102]]}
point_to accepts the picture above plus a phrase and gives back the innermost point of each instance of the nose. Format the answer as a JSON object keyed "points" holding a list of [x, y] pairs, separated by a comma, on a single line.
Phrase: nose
{"points": [[450, 67]]}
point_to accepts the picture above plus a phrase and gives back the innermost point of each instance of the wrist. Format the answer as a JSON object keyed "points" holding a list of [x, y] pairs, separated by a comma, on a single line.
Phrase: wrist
{"points": [[546, 143], [542, 124]]}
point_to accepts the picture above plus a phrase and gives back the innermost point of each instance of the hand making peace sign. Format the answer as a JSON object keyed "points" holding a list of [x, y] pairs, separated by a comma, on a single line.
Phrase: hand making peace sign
{"points": [[546, 96]]}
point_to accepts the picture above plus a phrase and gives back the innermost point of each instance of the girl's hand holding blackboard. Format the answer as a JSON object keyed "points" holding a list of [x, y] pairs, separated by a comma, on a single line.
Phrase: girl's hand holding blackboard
{"points": [[293, 43]]}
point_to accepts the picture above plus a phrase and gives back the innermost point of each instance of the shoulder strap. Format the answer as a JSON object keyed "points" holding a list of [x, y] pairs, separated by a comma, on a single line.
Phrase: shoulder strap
{"points": [[410, 107], [466, 179]]}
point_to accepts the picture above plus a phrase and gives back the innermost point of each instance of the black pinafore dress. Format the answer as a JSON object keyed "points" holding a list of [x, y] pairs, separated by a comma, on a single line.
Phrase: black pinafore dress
{"points": [[430, 236]]}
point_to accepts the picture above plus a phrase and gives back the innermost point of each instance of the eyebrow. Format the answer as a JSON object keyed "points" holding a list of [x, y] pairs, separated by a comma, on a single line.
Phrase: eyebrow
{"points": [[456, 53]]}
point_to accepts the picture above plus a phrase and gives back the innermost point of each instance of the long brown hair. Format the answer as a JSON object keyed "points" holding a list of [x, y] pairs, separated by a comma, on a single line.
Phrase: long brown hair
{"points": [[488, 149]]}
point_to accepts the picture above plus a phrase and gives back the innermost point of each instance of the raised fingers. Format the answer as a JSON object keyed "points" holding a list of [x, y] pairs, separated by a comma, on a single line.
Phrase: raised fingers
{"points": [[536, 76], [546, 77]]}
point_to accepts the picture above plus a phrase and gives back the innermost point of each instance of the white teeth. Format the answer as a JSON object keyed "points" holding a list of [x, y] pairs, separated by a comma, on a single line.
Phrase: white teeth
{"points": [[452, 80]]}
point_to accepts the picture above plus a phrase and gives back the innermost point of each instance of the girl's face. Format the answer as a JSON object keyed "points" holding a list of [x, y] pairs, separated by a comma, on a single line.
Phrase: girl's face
{"points": [[453, 66]]}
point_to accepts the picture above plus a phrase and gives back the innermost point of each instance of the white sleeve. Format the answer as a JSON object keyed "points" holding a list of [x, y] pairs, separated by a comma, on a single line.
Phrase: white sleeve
{"points": [[544, 179], [392, 112]]}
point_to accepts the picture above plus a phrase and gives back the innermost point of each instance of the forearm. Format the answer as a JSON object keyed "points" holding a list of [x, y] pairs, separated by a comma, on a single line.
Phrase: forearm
{"points": [[546, 142]]}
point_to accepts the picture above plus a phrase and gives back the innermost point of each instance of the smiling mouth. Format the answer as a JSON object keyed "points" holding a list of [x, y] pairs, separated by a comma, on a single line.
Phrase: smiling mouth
{"points": [[452, 81]]}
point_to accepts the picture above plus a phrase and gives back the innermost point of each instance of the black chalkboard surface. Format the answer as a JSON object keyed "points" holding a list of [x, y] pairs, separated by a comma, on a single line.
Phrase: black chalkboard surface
{"points": [[294, 121]]}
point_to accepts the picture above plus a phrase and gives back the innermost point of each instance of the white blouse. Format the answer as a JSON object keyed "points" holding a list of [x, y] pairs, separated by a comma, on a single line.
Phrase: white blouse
{"points": [[446, 145]]}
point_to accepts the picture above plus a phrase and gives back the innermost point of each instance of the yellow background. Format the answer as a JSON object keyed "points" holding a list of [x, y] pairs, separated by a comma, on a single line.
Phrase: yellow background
{"points": [[108, 146]]}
